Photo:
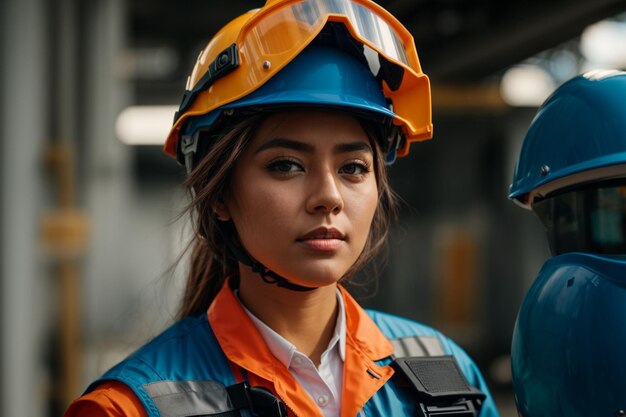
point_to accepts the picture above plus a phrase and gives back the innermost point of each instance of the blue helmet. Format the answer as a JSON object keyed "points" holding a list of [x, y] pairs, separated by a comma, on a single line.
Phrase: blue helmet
{"points": [[569, 343], [320, 76], [580, 128], [567, 354]]}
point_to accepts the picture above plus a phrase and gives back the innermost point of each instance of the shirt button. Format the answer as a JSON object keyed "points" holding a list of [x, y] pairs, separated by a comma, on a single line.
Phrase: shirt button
{"points": [[323, 400], [297, 360]]}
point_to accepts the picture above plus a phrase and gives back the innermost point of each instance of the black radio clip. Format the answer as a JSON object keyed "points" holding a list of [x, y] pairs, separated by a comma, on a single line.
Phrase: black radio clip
{"points": [[439, 385]]}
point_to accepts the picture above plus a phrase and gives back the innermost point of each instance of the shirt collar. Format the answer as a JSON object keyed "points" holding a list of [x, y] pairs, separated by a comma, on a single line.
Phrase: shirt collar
{"points": [[284, 350], [244, 347], [243, 344]]}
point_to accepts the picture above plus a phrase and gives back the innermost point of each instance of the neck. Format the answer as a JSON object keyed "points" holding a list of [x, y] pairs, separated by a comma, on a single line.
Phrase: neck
{"points": [[306, 319]]}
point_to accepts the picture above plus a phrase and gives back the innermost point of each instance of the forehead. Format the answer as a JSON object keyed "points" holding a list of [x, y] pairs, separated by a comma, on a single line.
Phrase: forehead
{"points": [[319, 128]]}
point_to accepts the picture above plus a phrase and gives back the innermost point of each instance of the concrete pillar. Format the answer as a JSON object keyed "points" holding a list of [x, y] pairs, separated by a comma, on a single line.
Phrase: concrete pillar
{"points": [[107, 176], [23, 124]]}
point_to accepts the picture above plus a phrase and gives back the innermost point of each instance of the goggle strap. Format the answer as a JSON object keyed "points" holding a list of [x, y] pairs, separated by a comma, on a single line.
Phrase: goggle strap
{"points": [[225, 62], [391, 73]]}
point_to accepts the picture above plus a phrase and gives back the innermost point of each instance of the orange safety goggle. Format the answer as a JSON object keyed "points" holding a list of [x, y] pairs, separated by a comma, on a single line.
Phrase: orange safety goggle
{"points": [[251, 49]]}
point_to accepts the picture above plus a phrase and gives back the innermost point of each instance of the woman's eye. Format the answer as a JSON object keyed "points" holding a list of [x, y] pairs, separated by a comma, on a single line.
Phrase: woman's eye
{"points": [[354, 168], [284, 166]]}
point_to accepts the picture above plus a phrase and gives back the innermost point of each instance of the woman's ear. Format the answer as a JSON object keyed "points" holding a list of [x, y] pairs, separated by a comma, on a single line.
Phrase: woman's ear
{"points": [[221, 211]]}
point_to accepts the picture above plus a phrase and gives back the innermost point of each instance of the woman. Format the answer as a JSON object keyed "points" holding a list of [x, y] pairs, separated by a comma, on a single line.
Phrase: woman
{"points": [[286, 125]]}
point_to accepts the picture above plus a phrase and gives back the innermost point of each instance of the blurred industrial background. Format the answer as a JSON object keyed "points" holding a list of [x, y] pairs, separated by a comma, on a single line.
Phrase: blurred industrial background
{"points": [[89, 204]]}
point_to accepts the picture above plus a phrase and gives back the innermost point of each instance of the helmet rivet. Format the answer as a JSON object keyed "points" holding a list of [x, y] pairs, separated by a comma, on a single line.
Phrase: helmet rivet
{"points": [[267, 65], [544, 170], [224, 58], [229, 112]]}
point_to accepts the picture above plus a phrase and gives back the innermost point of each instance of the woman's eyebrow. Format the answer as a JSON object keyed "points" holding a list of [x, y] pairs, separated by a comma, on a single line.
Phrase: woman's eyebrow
{"points": [[359, 146], [286, 143]]}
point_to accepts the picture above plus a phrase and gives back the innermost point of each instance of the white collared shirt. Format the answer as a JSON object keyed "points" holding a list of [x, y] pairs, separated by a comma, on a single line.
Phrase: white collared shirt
{"points": [[324, 384]]}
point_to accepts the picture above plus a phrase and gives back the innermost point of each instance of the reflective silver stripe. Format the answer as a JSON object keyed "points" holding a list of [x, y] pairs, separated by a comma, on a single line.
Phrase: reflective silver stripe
{"points": [[433, 346], [415, 346], [190, 398]]}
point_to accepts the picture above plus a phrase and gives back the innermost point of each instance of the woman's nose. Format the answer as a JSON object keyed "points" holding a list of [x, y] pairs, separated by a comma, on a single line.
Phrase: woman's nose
{"points": [[325, 195]]}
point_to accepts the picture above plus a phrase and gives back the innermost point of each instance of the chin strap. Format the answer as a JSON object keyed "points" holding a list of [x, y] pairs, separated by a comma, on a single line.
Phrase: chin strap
{"points": [[227, 230]]}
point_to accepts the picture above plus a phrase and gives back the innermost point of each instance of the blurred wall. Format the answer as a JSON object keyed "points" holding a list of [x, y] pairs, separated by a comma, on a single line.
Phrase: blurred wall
{"points": [[23, 126]]}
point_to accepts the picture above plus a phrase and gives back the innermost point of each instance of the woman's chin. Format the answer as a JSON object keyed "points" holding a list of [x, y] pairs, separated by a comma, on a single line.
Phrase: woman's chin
{"points": [[312, 281], [313, 277]]}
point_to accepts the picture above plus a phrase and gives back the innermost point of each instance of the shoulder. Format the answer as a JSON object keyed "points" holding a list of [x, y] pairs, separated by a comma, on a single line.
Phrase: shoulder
{"points": [[110, 399], [187, 349], [398, 328], [182, 336], [395, 327], [185, 336]]}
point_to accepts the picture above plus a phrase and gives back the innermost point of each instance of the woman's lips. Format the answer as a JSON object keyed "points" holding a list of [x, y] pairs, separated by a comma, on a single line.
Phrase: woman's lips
{"points": [[323, 239]]}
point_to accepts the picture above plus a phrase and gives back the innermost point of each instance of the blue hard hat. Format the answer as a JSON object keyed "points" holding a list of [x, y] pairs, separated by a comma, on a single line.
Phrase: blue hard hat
{"points": [[569, 342], [580, 127], [320, 76]]}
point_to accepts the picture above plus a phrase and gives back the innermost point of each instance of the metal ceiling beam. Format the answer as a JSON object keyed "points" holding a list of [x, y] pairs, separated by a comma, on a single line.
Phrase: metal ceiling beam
{"points": [[458, 40], [541, 26]]}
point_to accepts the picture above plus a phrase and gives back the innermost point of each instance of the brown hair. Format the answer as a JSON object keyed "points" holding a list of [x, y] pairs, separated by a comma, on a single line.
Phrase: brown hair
{"points": [[210, 261]]}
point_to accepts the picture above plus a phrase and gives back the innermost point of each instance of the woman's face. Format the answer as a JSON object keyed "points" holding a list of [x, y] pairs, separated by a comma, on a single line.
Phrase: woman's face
{"points": [[303, 195]]}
